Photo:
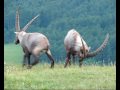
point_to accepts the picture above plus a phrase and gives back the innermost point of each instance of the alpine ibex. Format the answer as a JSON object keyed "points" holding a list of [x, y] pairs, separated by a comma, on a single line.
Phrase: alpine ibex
{"points": [[75, 45], [32, 43]]}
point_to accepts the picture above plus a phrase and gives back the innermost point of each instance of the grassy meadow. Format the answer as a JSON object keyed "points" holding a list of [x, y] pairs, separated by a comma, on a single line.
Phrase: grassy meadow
{"points": [[42, 77]]}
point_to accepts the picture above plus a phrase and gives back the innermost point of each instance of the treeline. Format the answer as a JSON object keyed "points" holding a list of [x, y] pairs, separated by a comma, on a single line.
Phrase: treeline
{"points": [[93, 19]]}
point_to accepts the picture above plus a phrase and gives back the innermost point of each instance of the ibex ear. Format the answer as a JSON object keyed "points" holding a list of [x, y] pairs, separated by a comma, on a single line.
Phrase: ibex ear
{"points": [[16, 32]]}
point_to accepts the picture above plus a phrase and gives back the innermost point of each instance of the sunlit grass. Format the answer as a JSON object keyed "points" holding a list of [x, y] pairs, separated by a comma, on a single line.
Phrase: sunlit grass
{"points": [[73, 77], [42, 77], [13, 53]]}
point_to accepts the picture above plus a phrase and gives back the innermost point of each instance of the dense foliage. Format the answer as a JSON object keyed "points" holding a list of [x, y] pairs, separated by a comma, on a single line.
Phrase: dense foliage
{"points": [[93, 19]]}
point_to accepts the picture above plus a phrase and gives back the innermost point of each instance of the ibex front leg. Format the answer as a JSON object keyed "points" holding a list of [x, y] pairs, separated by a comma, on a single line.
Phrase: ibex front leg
{"points": [[73, 59], [81, 56], [36, 60], [24, 60], [80, 62], [28, 56], [24, 57], [48, 53], [67, 59]]}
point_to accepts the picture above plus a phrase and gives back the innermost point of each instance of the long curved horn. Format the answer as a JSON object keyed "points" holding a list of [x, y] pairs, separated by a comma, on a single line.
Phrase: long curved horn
{"points": [[29, 23], [84, 51], [17, 25], [94, 53]]}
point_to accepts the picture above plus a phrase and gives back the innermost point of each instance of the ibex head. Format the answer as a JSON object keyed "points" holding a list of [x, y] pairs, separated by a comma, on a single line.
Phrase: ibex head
{"points": [[20, 32], [88, 54], [84, 49]]}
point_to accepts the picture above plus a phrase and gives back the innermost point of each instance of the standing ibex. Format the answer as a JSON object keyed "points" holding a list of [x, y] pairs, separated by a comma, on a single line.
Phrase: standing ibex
{"points": [[32, 43], [75, 45]]}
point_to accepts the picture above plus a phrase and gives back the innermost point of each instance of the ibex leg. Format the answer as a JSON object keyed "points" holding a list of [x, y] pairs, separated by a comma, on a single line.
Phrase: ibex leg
{"points": [[67, 59], [28, 56], [73, 59], [80, 62], [36, 60], [48, 53], [69, 62], [24, 60]]}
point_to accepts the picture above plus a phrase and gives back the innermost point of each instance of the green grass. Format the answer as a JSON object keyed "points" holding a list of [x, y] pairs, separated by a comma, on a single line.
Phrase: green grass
{"points": [[42, 77], [13, 53]]}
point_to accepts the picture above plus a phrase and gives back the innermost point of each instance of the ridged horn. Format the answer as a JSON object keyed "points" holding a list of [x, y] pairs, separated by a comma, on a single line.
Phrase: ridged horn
{"points": [[103, 45], [84, 51], [17, 25], [29, 23]]}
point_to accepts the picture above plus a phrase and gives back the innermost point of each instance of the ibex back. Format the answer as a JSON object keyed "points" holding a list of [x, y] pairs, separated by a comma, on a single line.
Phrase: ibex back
{"points": [[32, 43]]}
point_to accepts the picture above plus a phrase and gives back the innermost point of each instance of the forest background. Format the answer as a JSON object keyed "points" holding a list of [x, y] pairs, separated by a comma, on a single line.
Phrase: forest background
{"points": [[93, 19]]}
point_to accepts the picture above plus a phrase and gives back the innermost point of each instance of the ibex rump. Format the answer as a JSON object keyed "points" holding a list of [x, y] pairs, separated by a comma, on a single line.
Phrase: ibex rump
{"points": [[32, 43], [75, 45]]}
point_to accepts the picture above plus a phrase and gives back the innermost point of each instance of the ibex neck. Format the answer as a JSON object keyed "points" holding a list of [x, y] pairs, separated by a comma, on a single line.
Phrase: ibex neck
{"points": [[21, 35]]}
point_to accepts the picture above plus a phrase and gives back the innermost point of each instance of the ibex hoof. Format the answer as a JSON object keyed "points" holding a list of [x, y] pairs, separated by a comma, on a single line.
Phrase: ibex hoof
{"points": [[65, 65], [52, 66], [23, 65], [80, 66], [29, 67]]}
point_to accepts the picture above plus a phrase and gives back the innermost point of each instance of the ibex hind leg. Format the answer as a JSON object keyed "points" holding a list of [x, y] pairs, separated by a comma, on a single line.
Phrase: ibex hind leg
{"points": [[48, 53], [36, 60], [36, 53]]}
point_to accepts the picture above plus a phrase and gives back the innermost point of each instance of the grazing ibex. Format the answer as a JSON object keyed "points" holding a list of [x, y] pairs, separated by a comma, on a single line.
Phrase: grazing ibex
{"points": [[32, 43], [75, 45]]}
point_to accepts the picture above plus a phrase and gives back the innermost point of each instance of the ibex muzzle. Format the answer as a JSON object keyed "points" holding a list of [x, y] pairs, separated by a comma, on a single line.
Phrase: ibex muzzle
{"points": [[32, 43], [75, 45]]}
